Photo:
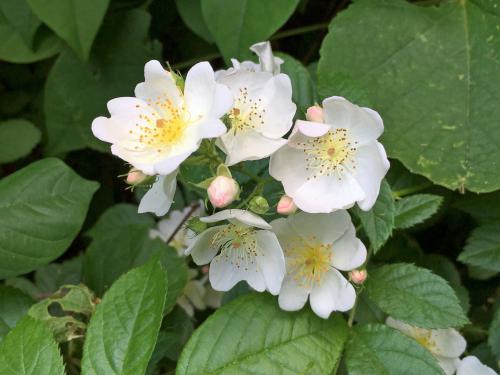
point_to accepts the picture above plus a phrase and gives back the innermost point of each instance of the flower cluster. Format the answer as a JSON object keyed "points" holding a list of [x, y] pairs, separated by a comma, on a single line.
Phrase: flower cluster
{"points": [[325, 163]]}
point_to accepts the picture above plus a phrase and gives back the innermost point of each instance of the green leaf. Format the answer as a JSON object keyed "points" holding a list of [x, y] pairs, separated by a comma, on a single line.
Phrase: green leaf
{"points": [[121, 241], [483, 248], [494, 335], [13, 305], [23, 38], [66, 311], [190, 12], [379, 221], [43, 207], [415, 209], [122, 333], [74, 21], [51, 277], [29, 349], [252, 335], [415, 295], [431, 72], [484, 208], [17, 139], [303, 91], [115, 67], [236, 25], [376, 349]]}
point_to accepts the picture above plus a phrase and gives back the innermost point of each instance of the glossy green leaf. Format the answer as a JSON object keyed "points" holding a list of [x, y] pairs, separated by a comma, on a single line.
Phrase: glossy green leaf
{"points": [[494, 335], [121, 241], [54, 275], [76, 92], [13, 305], [30, 349], [190, 12], [43, 207], [236, 25], [303, 91], [432, 73], [17, 139], [415, 295], [485, 208], [483, 248], [122, 333], [253, 335], [24, 39], [378, 223], [376, 349], [415, 209], [75, 21]]}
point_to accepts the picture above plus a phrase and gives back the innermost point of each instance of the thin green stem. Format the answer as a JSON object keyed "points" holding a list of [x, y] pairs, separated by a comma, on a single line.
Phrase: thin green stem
{"points": [[300, 30], [352, 313], [410, 190]]}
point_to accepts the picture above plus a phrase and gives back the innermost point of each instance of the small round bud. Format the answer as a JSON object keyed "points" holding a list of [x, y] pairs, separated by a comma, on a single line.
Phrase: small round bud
{"points": [[196, 225], [136, 177], [286, 205], [258, 205], [222, 191], [358, 276], [314, 113]]}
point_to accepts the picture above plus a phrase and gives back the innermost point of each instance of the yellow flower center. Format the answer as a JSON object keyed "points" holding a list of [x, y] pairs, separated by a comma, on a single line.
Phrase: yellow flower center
{"points": [[308, 261], [237, 244], [423, 337], [246, 113], [330, 154]]}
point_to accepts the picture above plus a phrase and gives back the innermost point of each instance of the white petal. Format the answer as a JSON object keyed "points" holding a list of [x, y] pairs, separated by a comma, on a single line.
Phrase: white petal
{"points": [[201, 249], [312, 129], [471, 365], [449, 365], [248, 145], [268, 63], [364, 124], [348, 251], [288, 165], [325, 228], [204, 98], [371, 167], [328, 193], [211, 128], [158, 83], [238, 216], [292, 297], [276, 99], [400, 326], [449, 343], [334, 293], [224, 274], [272, 261], [168, 164], [160, 196]]}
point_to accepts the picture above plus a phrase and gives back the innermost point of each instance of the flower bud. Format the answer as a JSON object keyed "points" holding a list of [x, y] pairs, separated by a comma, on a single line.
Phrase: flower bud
{"points": [[358, 276], [314, 113], [222, 191], [258, 205], [286, 206], [136, 177]]}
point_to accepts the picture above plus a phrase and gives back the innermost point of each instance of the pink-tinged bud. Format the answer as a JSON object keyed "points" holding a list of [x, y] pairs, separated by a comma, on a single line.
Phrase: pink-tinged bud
{"points": [[135, 177], [315, 113], [222, 191], [358, 276], [205, 269], [286, 206]]}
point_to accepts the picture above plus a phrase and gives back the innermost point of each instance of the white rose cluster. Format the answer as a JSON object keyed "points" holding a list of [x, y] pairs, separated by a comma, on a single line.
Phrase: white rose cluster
{"points": [[326, 164]]}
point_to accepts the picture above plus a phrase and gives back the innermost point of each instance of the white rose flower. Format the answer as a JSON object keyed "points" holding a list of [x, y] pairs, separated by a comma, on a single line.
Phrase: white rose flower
{"points": [[446, 345], [244, 249], [267, 61], [470, 365], [160, 196], [331, 165], [261, 115], [316, 247], [163, 125]]}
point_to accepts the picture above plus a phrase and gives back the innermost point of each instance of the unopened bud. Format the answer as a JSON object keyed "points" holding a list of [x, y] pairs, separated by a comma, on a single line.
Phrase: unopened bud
{"points": [[358, 276], [258, 205], [314, 113], [222, 191], [286, 205], [196, 225], [136, 177]]}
